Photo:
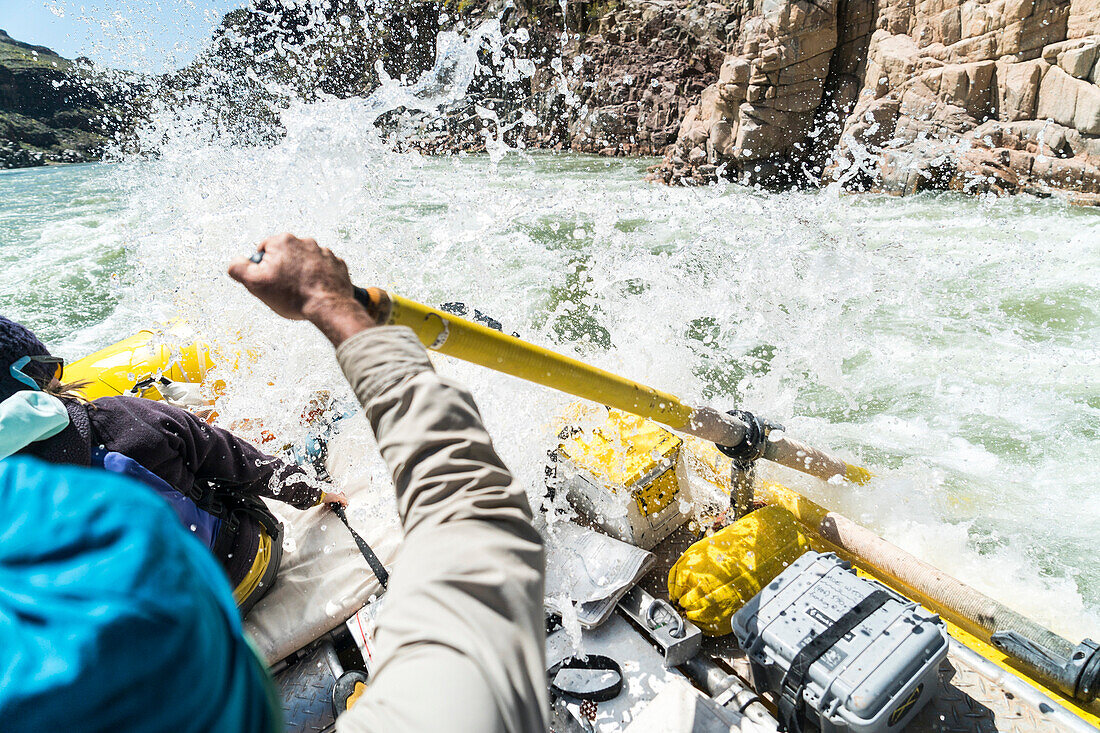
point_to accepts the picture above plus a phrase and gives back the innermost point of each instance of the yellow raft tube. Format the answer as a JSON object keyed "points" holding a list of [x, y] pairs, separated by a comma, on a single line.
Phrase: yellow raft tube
{"points": [[133, 365]]}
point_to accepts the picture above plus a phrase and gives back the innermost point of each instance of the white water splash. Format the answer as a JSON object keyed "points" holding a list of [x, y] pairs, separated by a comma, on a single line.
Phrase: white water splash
{"points": [[949, 343], [447, 81]]}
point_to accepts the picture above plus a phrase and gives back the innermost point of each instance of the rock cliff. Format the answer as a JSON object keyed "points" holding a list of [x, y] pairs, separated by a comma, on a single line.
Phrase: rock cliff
{"points": [[904, 95], [53, 110], [633, 70], [893, 95]]}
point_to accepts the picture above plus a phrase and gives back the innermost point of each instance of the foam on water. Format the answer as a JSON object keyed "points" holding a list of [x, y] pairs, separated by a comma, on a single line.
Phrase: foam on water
{"points": [[949, 343], [62, 254]]}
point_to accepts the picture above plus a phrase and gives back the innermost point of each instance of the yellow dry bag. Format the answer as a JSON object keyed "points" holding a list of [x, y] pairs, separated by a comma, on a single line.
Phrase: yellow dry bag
{"points": [[719, 574]]}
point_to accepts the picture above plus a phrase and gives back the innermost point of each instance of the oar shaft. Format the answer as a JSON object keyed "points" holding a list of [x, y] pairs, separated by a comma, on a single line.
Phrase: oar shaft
{"points": [[487, 347], [478, 344], [798, 456]]}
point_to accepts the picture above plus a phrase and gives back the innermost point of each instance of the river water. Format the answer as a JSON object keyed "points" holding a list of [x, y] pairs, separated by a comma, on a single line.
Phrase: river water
{"points": [[951, 344]]}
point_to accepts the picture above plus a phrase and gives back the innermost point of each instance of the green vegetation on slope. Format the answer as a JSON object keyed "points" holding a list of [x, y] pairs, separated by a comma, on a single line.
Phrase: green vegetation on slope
{"points": [[53, 110]]}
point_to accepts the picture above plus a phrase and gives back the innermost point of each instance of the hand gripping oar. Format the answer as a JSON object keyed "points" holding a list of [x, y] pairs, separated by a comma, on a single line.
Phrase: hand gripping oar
{"points": [[472, 342]]}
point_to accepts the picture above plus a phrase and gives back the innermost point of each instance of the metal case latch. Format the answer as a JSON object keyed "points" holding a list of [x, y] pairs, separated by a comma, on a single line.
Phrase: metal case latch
{"points": [[677, 638]]}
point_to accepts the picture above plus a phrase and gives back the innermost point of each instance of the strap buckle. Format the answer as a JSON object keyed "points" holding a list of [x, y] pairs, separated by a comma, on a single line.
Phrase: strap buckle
{"points": [[143, 384]]}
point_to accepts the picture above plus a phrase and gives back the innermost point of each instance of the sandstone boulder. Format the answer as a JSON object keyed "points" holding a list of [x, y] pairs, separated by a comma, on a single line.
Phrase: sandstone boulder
{"points": [[1079, 62], [767, 93], [1018, 89], [1086, 117], [1084, 18], [952, 70], [1069, 102], [992, 96], [984, 170], [1057, 97], [1077, 57]]}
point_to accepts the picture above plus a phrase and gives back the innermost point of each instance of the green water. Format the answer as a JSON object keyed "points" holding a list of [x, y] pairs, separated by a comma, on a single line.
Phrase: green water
{"points": [[61, 252], [950, 343]]}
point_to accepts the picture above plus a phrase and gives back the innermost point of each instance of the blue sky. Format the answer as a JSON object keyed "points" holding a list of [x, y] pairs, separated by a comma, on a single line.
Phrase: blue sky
{"points": [[140, 35]]}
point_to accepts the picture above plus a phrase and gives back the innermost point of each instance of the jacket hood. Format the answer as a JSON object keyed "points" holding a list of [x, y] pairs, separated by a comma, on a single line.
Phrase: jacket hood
{"points": [[27, 417]]}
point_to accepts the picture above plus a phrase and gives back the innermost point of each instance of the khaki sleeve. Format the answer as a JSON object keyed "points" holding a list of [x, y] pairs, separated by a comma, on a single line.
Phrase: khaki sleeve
{"points": [[460, 637]]}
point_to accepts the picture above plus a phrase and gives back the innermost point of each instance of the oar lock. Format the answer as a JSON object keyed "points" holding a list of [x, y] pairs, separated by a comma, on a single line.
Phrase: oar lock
{"points": [[1073, 670], [752, 446]]}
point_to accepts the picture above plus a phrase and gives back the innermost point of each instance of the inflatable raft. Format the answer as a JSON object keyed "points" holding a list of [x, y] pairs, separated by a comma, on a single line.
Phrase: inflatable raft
{"points": [[134, 366], [314, 621]]}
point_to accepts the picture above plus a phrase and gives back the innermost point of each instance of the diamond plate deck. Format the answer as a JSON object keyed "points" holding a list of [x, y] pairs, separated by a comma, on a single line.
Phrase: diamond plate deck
{"points": [[975, 695], [306, 690]]}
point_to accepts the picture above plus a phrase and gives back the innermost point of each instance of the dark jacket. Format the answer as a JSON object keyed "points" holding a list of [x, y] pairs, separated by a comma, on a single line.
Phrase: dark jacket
{"points": [[190, 456]]}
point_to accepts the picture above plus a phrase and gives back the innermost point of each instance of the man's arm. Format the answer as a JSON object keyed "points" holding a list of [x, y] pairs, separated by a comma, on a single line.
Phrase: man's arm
{"points": [[461, 632], [467, 587]]}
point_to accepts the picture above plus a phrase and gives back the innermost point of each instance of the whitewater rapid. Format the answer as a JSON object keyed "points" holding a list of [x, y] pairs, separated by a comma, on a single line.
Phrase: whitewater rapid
{"points": [[951, 344]]}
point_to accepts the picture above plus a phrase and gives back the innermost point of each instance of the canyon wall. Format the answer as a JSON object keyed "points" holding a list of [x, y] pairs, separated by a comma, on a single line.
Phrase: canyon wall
{"points": [[53, 110], [904, 95]]}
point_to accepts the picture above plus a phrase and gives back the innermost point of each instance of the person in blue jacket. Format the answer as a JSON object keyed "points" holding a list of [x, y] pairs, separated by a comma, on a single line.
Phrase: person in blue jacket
{"points": [[113, 616]]}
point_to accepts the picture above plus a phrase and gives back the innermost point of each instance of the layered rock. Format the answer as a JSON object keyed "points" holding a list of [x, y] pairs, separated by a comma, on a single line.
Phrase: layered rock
{"points": [[53, 110], [979, 96], [608, 78], [992, 97], [895, 95], [776, 96], [636, 69]]}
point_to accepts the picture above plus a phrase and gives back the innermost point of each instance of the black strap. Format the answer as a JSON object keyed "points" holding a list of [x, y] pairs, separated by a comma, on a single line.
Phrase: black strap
{"points": [[256, 508], [226, 506], [754, 442], [592, 661], [376, 565], [144, 384], [791, 701]]}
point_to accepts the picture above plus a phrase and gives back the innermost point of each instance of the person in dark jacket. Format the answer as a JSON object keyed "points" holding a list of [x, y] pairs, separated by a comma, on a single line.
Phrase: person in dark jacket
{"points": [[224, 475]]}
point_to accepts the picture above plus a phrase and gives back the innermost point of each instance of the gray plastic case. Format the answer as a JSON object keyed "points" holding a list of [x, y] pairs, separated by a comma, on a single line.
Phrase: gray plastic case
{"points": [[876, 678]]}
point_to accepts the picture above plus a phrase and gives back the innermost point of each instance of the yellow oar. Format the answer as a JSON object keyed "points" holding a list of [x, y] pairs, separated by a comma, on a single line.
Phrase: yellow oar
{"points": [[472, 342]]}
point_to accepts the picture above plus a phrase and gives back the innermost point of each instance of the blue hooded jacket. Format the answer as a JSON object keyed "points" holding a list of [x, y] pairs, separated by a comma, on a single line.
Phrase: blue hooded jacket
{"points": [[112, 616]]}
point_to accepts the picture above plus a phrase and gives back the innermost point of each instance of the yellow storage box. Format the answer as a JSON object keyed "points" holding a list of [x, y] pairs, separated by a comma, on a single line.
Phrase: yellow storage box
{"points": [[627, 478]]}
